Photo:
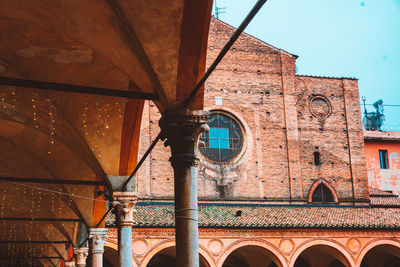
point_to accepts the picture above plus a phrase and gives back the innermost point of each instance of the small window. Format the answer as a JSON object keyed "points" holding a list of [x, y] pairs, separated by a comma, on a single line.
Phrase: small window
{"points": [[317, 159], [383, 159], [322, 194]]}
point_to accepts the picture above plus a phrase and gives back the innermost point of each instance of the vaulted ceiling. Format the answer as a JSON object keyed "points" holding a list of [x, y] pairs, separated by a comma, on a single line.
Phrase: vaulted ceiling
{"points": [[58, 148]]}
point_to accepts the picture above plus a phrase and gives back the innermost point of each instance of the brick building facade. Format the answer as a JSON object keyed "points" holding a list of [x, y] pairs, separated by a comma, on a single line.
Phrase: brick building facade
{"points": [[298, 134], [285, 117]]}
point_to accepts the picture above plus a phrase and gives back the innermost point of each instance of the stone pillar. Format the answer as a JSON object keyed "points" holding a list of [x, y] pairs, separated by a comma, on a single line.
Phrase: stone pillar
{"points": [[98, 236], [80, 255], [69, 264], [125, 205], [182, 129]]}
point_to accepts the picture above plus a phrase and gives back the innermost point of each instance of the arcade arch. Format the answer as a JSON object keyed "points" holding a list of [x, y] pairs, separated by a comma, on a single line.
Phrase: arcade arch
{"points": [[166, 258], [251, 253], [110, 256], [321, 255], [382, 255]]}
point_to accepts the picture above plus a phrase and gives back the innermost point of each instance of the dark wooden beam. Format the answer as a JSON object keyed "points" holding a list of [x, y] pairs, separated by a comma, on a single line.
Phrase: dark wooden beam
{"points": [[51, 181], [40, 219], [72, 88]]}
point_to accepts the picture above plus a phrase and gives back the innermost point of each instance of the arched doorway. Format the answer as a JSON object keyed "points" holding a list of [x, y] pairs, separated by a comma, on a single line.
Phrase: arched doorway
{"points": [[382, 256], [166, 258], [251, 256], [321, 256], [110, 257]]}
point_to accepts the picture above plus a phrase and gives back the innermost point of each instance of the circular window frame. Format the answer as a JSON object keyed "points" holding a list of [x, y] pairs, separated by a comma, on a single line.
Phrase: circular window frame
{"points": [[327, 102], [236, 159]]}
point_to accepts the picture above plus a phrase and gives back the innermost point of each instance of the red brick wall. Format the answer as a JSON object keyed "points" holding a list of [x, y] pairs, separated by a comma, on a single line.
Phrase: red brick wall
{"points": [[258, 86]]}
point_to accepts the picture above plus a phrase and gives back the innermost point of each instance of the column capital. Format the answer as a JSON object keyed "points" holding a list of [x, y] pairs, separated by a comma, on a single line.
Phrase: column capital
{"points": [[69, 264], [182, 129], [125, 203], [80, 254], [98, 236]]}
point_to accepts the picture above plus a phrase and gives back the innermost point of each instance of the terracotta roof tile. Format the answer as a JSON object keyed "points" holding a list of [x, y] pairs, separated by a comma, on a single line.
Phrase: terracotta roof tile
{"points": [[381, 198], [377, 192], [268, 216], [382, 135]]}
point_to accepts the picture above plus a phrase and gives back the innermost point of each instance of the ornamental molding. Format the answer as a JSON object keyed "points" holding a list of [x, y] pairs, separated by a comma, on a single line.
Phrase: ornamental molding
{"points": [[99, 237], [320, 106], [268, 233], [125, 203], [81, 255]]}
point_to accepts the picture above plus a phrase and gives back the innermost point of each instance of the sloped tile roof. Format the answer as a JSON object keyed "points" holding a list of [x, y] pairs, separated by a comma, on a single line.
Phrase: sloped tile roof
{"points": [[381, 198], [382, 135], [380, 193], [267, 216]]}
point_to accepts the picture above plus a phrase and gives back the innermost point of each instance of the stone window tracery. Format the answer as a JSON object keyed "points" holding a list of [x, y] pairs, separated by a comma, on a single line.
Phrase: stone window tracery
{"points": [[224, 142]]}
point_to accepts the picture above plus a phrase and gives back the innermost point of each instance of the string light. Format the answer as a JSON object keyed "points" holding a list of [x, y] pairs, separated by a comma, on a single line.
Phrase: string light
{"points": [[34, 109], [13, 96], [84, 118], [96, 130], [118, 104], [52, 127], [106, 125], [3, 100]]}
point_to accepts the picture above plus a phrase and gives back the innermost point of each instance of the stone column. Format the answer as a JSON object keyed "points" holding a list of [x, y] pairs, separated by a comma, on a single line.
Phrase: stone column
{"points": [[125, 205], [69, 264], [98, 236], [182, 129], [80, 255]]}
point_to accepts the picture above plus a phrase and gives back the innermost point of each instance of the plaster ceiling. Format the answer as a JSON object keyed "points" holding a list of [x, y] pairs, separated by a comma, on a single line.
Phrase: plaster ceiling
{"points": [[152, 46]]}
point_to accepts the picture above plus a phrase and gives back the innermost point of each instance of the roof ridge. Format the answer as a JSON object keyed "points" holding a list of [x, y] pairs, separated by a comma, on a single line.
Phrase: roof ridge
{"points": [[258, 39], [326, 77]]}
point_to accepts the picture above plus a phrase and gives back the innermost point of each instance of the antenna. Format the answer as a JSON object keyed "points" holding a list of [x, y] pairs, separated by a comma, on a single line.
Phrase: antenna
{"points": [[373, 121], [218, 10]]}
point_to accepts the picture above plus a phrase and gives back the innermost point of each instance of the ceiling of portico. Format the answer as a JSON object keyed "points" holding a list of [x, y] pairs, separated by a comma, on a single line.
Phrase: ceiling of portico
{"points": [[152, 46]]}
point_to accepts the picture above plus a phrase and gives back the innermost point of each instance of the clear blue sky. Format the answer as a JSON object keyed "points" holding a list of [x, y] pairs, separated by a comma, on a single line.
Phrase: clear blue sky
{"points": [[350, 38]]}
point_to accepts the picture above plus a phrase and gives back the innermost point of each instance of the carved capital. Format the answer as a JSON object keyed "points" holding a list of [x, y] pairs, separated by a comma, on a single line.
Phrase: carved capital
{"points": [[181, 129], [81, 255], [69, 264], [125, 203], [99, 237]]}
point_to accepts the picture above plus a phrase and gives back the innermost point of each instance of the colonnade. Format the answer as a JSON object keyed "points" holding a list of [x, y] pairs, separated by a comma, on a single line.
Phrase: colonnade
{"points": [[374, 255]]}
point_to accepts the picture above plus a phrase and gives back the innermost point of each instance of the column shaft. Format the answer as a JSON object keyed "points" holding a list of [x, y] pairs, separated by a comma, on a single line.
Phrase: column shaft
{"points": [[186, 217], [125, 203], [125, 247], [97, 260], [182, 128]]}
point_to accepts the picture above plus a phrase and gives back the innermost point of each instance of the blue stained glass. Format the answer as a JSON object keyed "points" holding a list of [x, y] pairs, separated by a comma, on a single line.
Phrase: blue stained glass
{"points": [[224, 141], [219, 138]]}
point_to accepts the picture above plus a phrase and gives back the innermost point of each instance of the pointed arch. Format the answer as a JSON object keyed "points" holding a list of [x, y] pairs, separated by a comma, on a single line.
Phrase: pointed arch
{"points": [[324, 187]]}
